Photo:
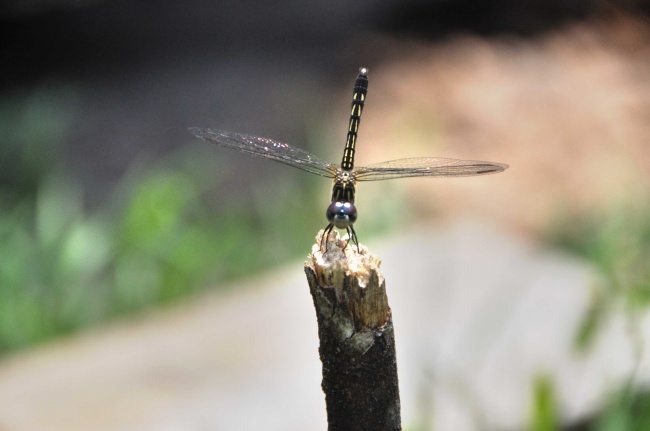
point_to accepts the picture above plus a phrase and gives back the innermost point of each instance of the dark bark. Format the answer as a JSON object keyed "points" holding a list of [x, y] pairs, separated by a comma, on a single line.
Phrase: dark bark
{"points": [[357, 343]]}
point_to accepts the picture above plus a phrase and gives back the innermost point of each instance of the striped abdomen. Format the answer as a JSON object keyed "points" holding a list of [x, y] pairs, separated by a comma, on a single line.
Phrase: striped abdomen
{"points": [[358, 99]]}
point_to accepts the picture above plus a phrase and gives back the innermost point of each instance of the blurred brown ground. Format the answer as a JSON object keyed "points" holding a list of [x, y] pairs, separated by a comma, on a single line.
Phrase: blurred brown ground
{"points": [[569, 111]]}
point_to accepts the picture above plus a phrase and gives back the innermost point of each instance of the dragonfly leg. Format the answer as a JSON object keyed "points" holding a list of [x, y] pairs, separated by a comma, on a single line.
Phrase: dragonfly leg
{"points": [[352, 235], [326, 235]]}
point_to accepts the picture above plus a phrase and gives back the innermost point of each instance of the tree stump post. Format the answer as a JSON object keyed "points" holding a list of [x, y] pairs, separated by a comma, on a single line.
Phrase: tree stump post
{"points": [[357, 342]]}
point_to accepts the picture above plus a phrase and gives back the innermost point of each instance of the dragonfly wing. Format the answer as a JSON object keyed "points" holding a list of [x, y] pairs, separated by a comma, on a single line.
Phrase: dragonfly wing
{"points": [[427, 167], [268, 149]]}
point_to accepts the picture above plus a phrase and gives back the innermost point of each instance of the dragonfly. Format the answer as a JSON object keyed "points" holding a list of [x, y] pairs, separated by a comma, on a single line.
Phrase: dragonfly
{"points": [[341, 212]]}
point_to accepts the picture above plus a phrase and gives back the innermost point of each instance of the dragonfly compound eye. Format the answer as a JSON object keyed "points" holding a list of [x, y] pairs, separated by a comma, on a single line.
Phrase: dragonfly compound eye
{"points": [[341, 214]]}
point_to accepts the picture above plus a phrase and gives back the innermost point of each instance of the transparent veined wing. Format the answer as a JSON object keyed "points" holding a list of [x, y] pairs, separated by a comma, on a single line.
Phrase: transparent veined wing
{"points": [[268, 149], [427, 167]]}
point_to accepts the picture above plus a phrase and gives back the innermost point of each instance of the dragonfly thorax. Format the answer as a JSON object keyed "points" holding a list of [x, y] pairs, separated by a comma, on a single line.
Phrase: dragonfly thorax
{"points": [[345, 177], [341, 214], [344, 187]]}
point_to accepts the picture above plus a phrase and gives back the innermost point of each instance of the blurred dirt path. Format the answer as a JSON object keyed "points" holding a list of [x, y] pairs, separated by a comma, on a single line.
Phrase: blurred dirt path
{"points": [[478, 316]]}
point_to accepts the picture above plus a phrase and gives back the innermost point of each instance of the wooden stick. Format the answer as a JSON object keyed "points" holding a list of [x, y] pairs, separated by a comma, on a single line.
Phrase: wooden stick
{"points": [[357, 343]]}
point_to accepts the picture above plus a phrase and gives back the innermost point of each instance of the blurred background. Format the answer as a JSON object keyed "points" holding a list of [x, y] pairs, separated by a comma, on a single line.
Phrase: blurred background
{"points": [[117, 225]]}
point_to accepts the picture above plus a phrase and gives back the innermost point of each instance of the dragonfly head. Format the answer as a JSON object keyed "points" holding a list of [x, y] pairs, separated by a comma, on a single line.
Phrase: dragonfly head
{"points": [[341, 214]]}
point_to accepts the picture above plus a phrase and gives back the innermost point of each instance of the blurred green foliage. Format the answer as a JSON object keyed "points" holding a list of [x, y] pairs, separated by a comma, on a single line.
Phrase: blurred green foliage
{"points": [[622, 413], [544, 415], [163, 234], [625, 412], [617, 243], [64, 268]]}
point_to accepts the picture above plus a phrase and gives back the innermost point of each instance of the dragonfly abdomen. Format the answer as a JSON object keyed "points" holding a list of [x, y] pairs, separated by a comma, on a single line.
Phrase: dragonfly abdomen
{"points": [[358, 99]]}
